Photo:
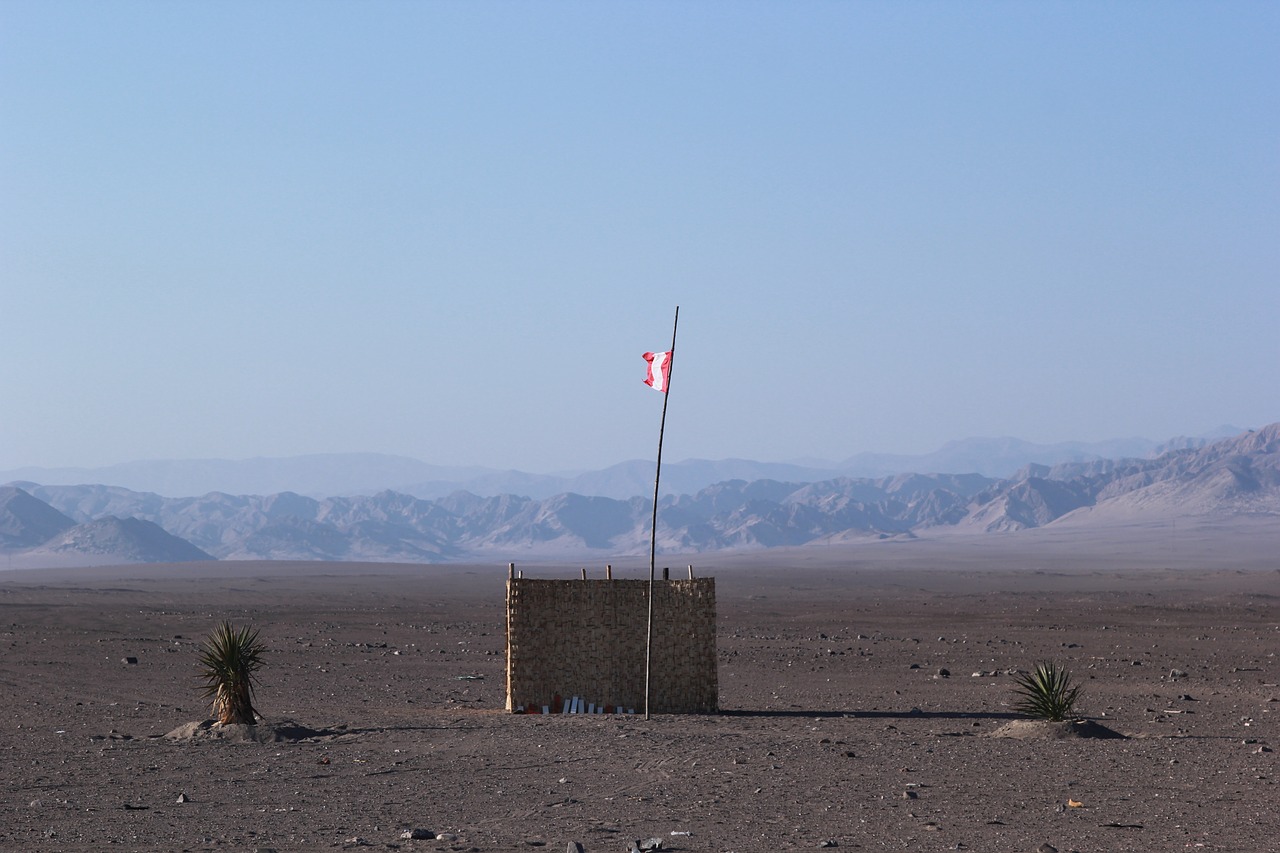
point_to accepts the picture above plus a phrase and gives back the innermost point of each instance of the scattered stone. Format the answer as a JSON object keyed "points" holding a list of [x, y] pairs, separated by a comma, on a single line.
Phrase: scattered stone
{"points": [[1175, 674], [650, 844], [1187, 697], [1261, 750], [830, 842], [931, 827], [943, 672], [1046, 848], [183, 798], [574, 847], [129, 660], [910, 795], [914, 666], [418, 833], [446, 836]]}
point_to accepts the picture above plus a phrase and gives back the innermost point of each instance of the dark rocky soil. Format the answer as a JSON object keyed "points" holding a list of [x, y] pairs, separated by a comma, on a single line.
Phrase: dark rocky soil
{"points": [[857, 712]]}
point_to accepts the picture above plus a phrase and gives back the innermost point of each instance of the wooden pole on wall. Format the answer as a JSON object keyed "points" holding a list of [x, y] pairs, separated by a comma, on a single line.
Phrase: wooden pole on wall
{"points": [[653, 534]]}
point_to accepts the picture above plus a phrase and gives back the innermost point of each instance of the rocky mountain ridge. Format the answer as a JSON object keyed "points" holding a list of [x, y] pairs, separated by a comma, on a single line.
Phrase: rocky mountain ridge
{"points": [[323, 475], [1240, 475]]}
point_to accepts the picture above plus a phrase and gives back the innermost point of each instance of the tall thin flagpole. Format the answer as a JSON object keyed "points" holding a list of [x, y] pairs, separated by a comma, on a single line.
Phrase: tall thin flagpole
{"points": [[653, 533]]}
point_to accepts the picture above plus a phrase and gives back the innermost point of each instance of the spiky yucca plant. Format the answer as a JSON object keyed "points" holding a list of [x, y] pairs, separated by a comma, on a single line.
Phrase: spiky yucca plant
{"points": [[1047, 693], [229, 662]]}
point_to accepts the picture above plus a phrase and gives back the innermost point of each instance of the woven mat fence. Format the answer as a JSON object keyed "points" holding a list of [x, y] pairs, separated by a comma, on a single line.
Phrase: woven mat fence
{"points": [[586, 639]]}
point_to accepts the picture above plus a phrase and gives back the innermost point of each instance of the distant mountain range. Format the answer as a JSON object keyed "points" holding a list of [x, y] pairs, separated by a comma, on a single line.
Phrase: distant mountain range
{"points": [[326, 475], [42, 524]]}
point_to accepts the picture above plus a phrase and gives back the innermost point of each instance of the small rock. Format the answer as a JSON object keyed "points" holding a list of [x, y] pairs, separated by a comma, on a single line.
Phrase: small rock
{"points": [[1175, 674], [574, 847], [183, 798], [910, 795], [129, 660], [943, 672], [1046, 848], [650, 844], [418, 833], [446, 836], [1261, 750], [830, 842]]}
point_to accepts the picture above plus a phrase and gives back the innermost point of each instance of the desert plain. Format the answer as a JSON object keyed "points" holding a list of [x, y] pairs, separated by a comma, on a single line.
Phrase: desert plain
{"points": [[863, 691]]}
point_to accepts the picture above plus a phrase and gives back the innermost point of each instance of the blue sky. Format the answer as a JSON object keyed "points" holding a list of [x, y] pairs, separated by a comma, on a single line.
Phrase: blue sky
{"points": [[448, 230]]}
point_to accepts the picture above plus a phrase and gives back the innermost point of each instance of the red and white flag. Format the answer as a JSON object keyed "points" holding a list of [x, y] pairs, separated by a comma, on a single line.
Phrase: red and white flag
{"points": [[659, 375]]}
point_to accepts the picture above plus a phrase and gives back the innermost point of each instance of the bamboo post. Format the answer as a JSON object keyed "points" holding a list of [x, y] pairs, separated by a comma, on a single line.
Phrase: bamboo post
{"points": [[653, 534]]}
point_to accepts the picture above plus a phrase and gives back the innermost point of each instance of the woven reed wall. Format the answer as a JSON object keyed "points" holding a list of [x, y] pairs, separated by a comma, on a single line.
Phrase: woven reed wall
{"points": [[587, 638]]}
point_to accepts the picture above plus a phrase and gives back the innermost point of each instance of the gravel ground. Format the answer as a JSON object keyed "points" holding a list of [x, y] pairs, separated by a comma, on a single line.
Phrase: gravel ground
{"points": [[858, 708]]}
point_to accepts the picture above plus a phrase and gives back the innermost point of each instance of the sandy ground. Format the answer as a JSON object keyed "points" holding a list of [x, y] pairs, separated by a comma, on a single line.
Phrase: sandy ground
{"points": [[837, 726]]}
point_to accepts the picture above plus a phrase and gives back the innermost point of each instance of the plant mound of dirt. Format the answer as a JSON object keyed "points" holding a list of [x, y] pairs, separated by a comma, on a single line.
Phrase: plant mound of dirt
{"points": [[1045, 730], [282, 731]]}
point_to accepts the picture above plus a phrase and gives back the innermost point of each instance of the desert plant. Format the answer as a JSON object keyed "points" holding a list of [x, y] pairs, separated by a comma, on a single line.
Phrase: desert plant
{"points": [[1047, 693], [229, 662]]}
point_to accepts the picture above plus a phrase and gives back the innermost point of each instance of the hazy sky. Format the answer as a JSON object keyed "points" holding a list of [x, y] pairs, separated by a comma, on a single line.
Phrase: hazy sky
{"points": [[449, 230]]}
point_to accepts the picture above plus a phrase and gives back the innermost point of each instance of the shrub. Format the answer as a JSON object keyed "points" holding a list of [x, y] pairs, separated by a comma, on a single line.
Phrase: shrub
{"points": [[229, 662], [1047, 693]]}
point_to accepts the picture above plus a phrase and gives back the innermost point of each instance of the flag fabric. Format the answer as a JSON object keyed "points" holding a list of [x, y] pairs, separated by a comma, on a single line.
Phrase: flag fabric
{"points": [[659, 375]]}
